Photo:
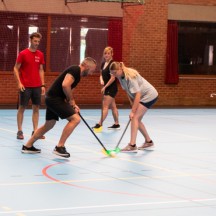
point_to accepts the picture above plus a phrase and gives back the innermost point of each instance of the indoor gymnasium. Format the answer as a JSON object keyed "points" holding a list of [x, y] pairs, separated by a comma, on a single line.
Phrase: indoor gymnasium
{"points": [[107, 107]]}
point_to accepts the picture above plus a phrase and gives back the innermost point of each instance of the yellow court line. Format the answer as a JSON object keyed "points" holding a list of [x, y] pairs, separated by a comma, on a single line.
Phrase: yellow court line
{"points": [[8, 210], [129, 160], [124, 159], [140, 163]]}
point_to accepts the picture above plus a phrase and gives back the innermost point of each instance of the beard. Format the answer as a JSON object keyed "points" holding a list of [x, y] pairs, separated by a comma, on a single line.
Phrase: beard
{"points": [[85, 73]]}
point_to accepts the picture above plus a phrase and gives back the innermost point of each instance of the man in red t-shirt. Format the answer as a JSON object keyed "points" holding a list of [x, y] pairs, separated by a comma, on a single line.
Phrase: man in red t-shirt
{"points": [[29, 74]]}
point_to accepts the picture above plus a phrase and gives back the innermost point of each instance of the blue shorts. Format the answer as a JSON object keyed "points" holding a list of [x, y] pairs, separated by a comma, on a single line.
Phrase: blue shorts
{"points": [[150, 103]]}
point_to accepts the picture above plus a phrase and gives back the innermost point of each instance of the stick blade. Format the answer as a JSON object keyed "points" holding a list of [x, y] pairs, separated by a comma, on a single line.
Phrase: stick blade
{"points": [[109, 153], [112, 153], [117, 150]]}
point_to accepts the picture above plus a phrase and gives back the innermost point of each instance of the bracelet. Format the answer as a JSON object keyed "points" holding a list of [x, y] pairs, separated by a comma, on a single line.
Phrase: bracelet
{"points": [[43, 86]]}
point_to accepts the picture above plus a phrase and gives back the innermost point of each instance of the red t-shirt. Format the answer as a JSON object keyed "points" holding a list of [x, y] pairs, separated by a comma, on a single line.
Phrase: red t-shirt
{"points": [[30, 65]]}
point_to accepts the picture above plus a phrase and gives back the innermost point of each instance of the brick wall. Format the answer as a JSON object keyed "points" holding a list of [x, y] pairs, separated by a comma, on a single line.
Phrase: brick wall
{"points": [[144, 48], [192, 2], [8, 89]]}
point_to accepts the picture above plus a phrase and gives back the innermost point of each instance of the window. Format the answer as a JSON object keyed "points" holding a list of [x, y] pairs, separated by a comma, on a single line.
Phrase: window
{"points": [[197, 48], [66, 39], [15, 29], [74, 38]]}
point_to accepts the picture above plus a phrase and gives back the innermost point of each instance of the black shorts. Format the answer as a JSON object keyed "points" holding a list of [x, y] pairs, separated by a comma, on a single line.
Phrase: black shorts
{"points": [[111, 92], [30, 93], [150, 103], [58, 107]]}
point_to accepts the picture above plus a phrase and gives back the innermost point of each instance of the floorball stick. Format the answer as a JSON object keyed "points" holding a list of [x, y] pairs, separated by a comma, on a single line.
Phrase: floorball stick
{"points": [[105, 151]]}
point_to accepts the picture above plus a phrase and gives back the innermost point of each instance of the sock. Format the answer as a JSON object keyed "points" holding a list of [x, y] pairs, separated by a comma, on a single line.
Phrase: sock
{"points": [[133, 145]]}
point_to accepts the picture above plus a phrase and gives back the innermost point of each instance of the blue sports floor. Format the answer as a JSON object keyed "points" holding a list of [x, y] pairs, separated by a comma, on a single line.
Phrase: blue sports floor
{"points": [[178, 178]]}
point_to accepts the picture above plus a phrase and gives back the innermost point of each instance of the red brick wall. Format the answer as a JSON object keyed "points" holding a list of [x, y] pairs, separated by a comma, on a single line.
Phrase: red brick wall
{"points": [[144, 48], [192, 2], [8, 89]]}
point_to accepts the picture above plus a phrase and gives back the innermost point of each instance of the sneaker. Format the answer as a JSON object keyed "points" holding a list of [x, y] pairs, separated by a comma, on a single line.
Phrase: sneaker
{"points": [[31, 150], [61, 151], [115, 127], [97, 128], [42, 137], [20, 135], [129, 148], [147, 146]]}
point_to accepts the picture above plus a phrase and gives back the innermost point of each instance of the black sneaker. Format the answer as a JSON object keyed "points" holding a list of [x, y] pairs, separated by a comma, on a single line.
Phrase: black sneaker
{"points": [[97, 126], [61, 151], [20, 135], [31, 150], [115, 127]]}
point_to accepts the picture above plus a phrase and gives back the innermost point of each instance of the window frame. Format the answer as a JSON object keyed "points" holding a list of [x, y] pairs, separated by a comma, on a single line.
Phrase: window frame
{"points": [[192, 66], [31, 19]]}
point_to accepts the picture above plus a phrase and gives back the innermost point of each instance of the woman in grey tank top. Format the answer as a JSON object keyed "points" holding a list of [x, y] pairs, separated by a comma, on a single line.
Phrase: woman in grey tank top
{"points": [[142, 95]]}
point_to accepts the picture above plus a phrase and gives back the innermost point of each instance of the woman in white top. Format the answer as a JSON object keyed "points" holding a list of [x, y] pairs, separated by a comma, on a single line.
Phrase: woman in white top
{"points": [[142, 96]]}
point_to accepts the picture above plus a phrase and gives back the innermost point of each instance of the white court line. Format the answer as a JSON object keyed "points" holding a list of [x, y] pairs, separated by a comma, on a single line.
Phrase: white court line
{"points": [[183, 135], [124, 159], [108, 206], [155, 129]]}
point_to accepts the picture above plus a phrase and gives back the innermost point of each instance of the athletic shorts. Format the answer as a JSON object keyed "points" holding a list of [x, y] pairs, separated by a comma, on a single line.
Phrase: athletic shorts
{"points": [[58, 107], [111, 92], [30, 93], [150, 103]]}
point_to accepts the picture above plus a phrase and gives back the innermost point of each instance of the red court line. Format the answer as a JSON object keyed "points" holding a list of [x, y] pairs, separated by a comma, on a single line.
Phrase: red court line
{"points": [[45, 169]]}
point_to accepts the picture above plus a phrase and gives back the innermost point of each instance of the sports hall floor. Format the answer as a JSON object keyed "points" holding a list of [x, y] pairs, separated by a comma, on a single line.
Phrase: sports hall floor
{"points": [[177, 178]]}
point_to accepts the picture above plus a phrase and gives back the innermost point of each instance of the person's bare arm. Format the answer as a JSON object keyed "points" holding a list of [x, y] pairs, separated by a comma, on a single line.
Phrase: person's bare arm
{"points": [[111, 80], [41, 71], [66, 85], [135, 104], [17, 77]]}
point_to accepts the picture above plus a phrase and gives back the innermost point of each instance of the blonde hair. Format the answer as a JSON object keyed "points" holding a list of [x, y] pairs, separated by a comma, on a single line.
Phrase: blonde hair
{"points": [[129, 73], [108, 48], [89, 61]]}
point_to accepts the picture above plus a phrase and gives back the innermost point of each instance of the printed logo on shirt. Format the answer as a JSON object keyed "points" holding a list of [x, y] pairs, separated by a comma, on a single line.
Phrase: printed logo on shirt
{"points": [[37, 59]]}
